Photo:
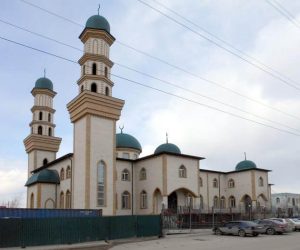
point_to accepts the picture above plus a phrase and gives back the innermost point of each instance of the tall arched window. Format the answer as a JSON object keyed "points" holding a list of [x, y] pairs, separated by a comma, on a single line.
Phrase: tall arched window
{"points": [[45, 161], [61, 200], [105, 72], [200, 182], [182, 172], [62, 174], [68, 172], [68, 199], [94, 87], [215, 183], [231, 183], [94, 69], [101, 169], [106, 91], [49, 117], [201, 202], [143, 199], [125, 175], [231, 202], [32, 200], [125, 200], [50, 131], [41, 115], [222, 202], [143, 174], [216, 202], [40, 130], [260, 182]]}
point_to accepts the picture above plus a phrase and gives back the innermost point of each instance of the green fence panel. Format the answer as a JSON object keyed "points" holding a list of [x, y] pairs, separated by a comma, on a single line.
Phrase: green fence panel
{"points": [[122, 226], [9, 232], [149, 225]]}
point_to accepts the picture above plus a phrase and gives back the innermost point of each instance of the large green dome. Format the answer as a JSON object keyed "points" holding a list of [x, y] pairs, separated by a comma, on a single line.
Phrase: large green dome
{"points": [[246, 164], [167, 148], [44, 176], [127, 141], [98, 22], [44, 83]]}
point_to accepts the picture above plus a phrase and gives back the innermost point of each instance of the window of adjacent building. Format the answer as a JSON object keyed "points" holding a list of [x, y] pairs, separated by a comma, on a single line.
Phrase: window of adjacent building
{"points": [[231, 183], [101, 183], [61, 199], [231, 202], [200, 182], [125, 200], [68, 172], [215, 183], [41, 116], [40, 130], [216, 202], [62, 174], [182, 172], [143, 199], [260, 182], [94, 87], [125, 175], [277, 200], [222, 202], [143, 174], [201, 202], [68, 199], [126, 155], [94, 69]]}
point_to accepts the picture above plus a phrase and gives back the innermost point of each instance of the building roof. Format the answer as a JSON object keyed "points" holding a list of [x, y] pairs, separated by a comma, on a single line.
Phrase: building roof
{"points": [[246, 164], [127, 141], [167, 148], [44, 176], [234, 171], [98, 22]]}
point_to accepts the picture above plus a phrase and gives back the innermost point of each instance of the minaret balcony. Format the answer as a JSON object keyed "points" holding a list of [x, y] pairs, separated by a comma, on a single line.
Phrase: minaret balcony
{"points": [[95, 78], [95, 58]]}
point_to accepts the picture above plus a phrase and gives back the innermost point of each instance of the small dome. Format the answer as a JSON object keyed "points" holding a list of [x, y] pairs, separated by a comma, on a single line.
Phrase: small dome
{"points": [[127, 141], [43, 83], [98, 22], [246, 164], [168, 148], [44, 176]]}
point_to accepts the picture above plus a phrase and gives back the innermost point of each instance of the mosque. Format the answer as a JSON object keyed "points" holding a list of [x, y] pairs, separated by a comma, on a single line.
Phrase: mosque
{"points": [[105, 170]]}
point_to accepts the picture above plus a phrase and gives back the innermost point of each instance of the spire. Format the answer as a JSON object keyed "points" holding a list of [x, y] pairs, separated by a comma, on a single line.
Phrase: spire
{"points": [[245, 156], [44, 72], [167, 139], [121, 128], [98, 9]]}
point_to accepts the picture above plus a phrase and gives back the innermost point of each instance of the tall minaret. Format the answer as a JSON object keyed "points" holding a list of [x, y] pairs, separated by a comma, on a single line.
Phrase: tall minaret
{"points": [[41, 145], [94, 113]]}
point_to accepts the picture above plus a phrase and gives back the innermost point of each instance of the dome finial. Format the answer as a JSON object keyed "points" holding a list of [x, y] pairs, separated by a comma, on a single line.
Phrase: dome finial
{"points": [[167, 139], [121, 128], [245, 156], [44, 72], [98, 9]]}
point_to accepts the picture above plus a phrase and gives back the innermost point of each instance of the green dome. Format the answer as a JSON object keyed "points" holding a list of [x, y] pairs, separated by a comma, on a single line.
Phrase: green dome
{"points": [[245, 165], [128, 141], [98, 22], [44, 176], [168, 148], [43, 83]]}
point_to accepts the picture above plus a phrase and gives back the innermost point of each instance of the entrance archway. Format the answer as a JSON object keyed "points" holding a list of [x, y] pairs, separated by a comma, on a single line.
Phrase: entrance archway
{"points": [[247, 203], [172, 201], [157, 201]]}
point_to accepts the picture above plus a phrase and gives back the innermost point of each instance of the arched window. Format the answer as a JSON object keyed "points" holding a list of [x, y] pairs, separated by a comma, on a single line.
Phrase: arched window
{"points": [[94, 69], [68, 172], [68, 199], [41, 116], [105, 72], [277, 200], [125, 175], [231, 202], [143, 174], [32, 200], [182, 172], [62, 174], [40, 130], [260, 182], [215, 183], [83, 69], [61, 200], [101, 169], [126, 200], [49, 117], [81, 89], [94, 87], [216, 202], [50, 131], [231, 183], [200, 182], [106, 91], [222, 202], [201, 202], [143, 199], [45, 161]]}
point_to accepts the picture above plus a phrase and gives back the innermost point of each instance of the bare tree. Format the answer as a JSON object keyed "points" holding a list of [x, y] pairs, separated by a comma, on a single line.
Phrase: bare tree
{"points": [[12, 203]]}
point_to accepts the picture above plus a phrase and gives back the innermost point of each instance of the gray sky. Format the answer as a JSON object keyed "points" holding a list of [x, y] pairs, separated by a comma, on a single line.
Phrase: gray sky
{"points": [[254, 27]]}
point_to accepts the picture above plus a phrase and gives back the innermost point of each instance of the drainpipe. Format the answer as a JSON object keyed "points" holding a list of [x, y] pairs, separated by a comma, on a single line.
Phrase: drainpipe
{"points": [[132, 188]]}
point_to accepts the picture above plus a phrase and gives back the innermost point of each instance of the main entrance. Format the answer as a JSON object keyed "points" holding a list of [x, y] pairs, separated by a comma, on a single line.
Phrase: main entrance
{"points": [[172, 201]]}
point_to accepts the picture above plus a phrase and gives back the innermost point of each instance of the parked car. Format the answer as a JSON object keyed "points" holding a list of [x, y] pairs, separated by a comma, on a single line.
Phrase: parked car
{"points": [[295, 222], [272, 227], [240, 228], [290, 225]]}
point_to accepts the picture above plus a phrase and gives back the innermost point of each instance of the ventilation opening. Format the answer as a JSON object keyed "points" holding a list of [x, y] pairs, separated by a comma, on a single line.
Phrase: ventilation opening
{"points": [[94, 71], [94, 87]]}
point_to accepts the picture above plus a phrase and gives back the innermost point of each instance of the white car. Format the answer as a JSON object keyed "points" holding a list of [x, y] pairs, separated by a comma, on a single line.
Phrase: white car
{"points": [[290, 225], [296, 223]]}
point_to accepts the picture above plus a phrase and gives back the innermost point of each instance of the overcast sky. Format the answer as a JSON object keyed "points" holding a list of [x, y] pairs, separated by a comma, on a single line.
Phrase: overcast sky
{"points": [[254, 27]]}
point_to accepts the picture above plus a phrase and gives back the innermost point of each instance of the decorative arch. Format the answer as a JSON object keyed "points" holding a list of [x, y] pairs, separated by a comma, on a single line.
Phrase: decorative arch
{"points": [[231, 183], [62, 174], [262, 196], [184, 189], [49, 203], [143, 174], [246, 199], [157, 201], [68, 172], [260, 182]]}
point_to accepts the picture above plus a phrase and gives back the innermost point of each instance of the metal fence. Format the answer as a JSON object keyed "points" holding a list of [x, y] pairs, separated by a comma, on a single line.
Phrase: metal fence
{"points": [[22, 232]]}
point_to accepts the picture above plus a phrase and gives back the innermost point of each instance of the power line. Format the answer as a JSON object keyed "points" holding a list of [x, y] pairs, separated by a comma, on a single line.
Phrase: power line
{"points": [[297, 87], [155, 78], [223, 41], [171, 65], [156, 89]]}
